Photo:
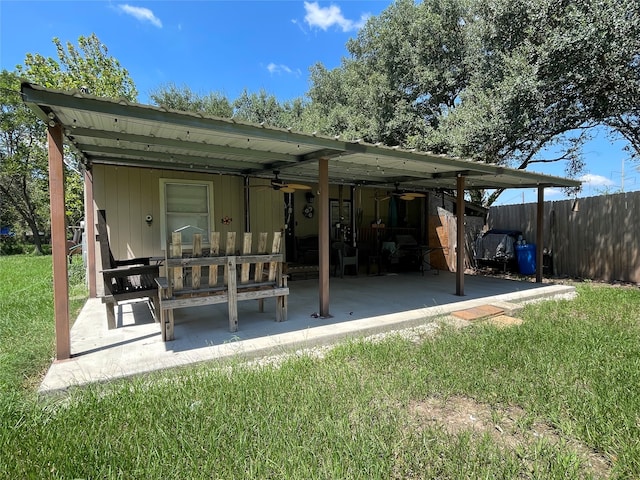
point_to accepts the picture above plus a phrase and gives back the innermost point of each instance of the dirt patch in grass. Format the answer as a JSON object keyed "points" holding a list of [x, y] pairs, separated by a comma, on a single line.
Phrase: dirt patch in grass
{"points": [[508, 427]]}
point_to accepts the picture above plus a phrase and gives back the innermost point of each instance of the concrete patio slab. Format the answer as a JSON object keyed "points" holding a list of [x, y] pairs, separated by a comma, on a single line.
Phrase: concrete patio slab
{"points": [[359, 306]]}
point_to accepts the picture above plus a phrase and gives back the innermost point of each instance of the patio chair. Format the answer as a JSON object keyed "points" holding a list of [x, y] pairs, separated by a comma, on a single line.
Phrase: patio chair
{"points": [[74, 246], [130, 279], [347, 255]]}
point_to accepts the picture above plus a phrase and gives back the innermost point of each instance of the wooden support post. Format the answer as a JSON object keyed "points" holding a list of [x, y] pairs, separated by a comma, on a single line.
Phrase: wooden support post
{"points": [[323, 235], [232, 284], [281, 301], [460, 242], [539, 234], [247, 205], [59, 243], [352, 213]]}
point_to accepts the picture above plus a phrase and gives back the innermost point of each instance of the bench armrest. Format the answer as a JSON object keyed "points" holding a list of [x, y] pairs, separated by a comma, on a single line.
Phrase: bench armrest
{"points": [[129, 271], [133, 261]]}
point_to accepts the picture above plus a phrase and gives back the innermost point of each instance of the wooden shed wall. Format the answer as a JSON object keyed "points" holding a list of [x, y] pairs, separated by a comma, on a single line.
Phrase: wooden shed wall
{"points": [[128, 195]]}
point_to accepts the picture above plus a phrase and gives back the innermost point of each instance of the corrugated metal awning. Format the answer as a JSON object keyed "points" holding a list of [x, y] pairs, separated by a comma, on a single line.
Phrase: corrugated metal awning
{"points": [[118, 132]]}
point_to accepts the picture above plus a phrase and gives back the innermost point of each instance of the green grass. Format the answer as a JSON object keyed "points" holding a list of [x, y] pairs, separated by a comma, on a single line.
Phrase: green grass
{"points": [[572, 371], [27, 332]]}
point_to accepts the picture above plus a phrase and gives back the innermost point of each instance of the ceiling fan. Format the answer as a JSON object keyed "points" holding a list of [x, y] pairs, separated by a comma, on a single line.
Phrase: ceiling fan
{"points": [[282, 186], [408, 196]]}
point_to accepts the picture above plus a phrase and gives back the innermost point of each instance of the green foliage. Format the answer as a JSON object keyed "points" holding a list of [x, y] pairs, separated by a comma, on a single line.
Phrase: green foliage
{"points": [[258, 108], [73, 196], [23, 156], [184, 99], [23, 161], [508, 82], [11, 246], [255, 108], [86, 66]]}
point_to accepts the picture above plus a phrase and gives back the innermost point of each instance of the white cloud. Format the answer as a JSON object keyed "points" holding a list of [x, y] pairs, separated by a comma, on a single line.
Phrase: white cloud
{"points": [[552, 192], [142, 14], [329, 16], [596, 180], [275, 68]]}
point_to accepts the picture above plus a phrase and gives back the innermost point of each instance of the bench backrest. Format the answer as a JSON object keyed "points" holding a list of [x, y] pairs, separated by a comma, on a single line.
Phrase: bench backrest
{"points": [[197, 269]]}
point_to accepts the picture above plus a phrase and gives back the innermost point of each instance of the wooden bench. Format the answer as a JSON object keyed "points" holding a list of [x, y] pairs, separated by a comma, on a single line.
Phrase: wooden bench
{"points": [[193, 277]]}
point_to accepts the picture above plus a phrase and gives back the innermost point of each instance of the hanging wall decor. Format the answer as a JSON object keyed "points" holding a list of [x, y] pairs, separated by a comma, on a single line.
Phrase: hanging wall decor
{"points": [[308, 211]]}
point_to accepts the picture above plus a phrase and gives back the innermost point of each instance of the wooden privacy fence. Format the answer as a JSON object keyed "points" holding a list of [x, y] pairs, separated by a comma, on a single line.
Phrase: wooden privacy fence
{"points": [[596, 237], [193, 277]]}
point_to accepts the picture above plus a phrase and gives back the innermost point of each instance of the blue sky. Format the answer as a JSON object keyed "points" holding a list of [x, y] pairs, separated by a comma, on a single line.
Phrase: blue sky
{"points": [[227, 46]]}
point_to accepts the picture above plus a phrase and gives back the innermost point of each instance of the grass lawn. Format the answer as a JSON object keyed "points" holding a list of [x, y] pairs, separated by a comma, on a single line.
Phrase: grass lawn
{"points": [[557, 397]]}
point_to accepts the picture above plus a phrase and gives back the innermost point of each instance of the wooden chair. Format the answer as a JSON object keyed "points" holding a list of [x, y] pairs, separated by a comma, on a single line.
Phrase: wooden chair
{"points": [[129, 279], [74, 246]]}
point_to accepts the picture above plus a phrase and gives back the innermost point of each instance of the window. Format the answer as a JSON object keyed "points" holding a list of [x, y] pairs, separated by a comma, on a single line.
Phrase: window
{"points": [[186, 207]]}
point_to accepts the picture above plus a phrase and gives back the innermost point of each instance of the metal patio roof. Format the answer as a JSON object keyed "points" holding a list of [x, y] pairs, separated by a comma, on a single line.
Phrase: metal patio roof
{"points": [[118, 132]]}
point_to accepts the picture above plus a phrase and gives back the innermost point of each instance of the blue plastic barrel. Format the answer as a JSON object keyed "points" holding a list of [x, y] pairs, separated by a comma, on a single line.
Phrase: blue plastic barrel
{"points": [[526, 255]]}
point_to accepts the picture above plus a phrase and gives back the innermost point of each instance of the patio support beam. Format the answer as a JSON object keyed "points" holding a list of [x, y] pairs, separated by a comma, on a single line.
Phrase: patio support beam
{"points": [[539, 234], [247, 205], [323, 235], [59, 242], [352, 213], [460, 236], [90, 232]]}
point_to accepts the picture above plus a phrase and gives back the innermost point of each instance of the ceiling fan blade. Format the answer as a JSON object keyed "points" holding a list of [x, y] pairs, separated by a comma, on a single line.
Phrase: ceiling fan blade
{"points": [[287, 189], [415, 194], [298, 186], [408, 198]]}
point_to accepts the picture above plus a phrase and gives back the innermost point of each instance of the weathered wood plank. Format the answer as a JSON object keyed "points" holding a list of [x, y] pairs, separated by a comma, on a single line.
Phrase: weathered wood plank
{"points": [[214, 252], [262, 249], [202, 261], [195, 301], [231, 243], [275, 248], [246, 250], [230, 249], [256, 294], [197, 252], [176, 252]]}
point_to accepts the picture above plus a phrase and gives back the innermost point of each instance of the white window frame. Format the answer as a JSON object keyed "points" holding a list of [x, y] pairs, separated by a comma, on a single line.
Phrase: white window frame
{"points": [[163, 207]]}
